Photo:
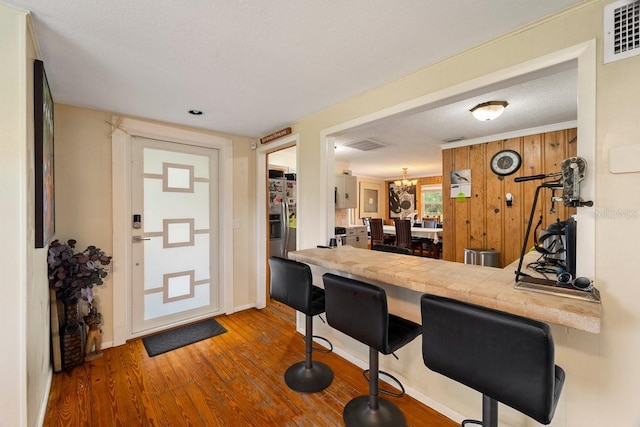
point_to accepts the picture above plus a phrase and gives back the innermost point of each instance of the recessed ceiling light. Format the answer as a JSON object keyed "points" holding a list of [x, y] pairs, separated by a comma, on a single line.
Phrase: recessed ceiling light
{"points": [[196, 112]]}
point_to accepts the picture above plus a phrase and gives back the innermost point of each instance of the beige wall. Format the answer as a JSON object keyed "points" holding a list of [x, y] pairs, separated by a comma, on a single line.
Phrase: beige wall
{"points": [[13, 169], [244, 200], [83, 189], [84, 208], [602, 370], [37, 312], [24, 318]]}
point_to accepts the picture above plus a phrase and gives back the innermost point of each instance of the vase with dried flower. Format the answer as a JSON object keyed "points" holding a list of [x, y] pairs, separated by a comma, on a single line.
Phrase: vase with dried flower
{"points": [[73, 276]]}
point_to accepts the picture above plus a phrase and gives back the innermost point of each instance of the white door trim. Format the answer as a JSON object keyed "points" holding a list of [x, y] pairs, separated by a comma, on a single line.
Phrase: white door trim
{"points": [[121, 199], [261, 210]]}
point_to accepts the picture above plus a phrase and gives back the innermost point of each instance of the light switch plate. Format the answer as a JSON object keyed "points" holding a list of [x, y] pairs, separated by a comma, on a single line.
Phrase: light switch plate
{"points": [[624, 158]]}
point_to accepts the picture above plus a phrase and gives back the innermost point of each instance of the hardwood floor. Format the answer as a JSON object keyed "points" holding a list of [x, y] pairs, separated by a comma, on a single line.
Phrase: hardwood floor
{"points": [[234, 379]]}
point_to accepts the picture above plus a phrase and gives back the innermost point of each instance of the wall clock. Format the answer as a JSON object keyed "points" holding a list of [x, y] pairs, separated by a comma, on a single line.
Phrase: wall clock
{"points": [[505, 162]]}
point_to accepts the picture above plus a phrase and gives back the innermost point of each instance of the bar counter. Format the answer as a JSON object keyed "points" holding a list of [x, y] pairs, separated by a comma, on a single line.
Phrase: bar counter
{"points": [[485, 286]]}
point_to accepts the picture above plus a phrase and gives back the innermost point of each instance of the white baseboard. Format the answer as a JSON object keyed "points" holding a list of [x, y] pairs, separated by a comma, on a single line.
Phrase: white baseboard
{"points": [[45, 398], [436, 406]]}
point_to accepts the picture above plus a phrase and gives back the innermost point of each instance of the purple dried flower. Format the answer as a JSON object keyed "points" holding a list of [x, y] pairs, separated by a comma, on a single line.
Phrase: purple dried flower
{"points": [[74, 274]]}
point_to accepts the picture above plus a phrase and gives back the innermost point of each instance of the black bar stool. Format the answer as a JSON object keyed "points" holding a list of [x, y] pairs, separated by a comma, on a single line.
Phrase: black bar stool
{"points": [[291, 284], [359, 310], [507, 358]]}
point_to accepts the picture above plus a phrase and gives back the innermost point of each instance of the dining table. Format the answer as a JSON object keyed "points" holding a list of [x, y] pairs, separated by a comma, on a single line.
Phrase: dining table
{"points": [[428, 233]]}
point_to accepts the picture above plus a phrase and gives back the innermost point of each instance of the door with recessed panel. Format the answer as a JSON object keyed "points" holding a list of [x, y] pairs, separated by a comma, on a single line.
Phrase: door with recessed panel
{"points": [[175, 264]]}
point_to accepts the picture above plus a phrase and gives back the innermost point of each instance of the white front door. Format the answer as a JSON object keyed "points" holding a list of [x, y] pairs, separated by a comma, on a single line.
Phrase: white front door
{"points": [[175, 271]]}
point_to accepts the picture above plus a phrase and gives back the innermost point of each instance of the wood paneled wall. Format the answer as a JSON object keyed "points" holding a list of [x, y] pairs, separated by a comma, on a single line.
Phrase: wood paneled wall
{"points": [[484, 220]]}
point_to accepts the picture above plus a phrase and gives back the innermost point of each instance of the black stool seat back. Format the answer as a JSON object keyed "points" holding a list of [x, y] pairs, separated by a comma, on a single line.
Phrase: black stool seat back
{"points": [[506, 357], [360, 310], [291, 284]]}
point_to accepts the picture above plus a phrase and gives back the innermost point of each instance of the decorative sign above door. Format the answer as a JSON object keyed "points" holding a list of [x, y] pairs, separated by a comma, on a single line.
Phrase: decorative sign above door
{"points": [[275, 135]]}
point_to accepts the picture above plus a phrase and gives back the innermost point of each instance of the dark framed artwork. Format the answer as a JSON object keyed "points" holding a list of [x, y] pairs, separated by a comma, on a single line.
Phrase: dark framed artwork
{"points": [[45, 218], [402, 201]]}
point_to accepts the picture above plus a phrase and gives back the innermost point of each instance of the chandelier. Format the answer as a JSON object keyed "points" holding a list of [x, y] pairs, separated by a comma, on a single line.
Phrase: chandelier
{"points": [[404, 184]]}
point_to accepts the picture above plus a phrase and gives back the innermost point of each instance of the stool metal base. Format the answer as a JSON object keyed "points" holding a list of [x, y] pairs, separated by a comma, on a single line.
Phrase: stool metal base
{"points": [[308, 380], [358, 412]]}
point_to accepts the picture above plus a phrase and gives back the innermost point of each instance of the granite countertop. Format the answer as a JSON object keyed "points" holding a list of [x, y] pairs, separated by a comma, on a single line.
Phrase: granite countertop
{"points": [[486, 286]]}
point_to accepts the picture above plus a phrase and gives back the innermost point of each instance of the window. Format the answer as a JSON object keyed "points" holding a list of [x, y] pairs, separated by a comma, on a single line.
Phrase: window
{"points": [[431, 200]]}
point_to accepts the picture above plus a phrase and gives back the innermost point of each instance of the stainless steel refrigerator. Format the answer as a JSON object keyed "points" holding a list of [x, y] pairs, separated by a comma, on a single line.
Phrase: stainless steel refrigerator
{"points": [[282, 216]]}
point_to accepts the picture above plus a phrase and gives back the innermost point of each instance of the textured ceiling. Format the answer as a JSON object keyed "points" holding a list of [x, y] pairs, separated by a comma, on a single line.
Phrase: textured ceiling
{"points": [[252, 66], [414, 139]]}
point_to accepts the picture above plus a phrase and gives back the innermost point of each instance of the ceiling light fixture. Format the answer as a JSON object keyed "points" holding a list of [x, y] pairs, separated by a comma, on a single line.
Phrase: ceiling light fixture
{"points": [[489, 110], [196, 112], [404, 184]]}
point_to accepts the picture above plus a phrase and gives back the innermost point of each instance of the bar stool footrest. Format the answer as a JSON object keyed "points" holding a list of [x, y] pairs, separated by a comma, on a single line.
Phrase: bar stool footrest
{"points": [[322, 349], [383, 391]]}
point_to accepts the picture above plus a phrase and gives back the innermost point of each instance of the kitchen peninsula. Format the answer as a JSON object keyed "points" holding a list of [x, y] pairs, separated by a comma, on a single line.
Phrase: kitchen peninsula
{"points": [[486, 286], [405, 278]]}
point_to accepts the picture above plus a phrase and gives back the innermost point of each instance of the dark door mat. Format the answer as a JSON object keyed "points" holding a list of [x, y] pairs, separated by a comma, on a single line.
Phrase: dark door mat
{"points": [[179, 337]]}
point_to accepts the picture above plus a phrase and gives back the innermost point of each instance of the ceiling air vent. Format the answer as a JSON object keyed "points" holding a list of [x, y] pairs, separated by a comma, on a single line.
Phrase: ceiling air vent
{"points": [[454, 139], [621, 30], [364, 145]]}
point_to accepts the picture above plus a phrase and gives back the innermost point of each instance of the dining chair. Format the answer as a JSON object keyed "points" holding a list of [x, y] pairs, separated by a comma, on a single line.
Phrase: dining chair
{"points": [[429, 222], [367, 223], [377, 233], [432, 249], [403, 236]]}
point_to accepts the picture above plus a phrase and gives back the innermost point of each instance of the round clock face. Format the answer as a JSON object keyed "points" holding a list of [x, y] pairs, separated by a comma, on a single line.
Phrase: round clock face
{"points": [[505, 162]]}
